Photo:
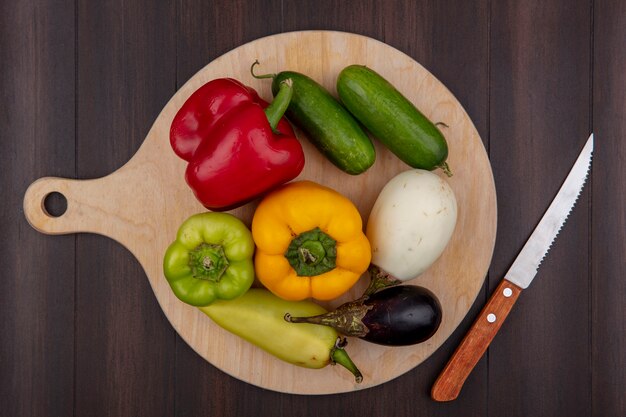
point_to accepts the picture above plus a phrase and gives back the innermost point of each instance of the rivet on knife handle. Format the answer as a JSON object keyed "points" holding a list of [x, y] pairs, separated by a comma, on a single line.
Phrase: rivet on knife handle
{"points": [[473, 346]]}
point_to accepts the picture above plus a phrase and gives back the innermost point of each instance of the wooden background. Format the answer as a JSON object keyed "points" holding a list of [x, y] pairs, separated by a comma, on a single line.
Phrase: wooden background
{"points": [[81, 333]]}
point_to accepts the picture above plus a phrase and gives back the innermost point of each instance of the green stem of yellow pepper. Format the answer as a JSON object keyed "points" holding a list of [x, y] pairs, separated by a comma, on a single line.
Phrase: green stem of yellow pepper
{"points": [[312, 253]]}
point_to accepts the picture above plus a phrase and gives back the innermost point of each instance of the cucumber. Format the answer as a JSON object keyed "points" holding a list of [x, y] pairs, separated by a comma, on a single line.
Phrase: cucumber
{"points": [[328, 125], [392, 118]]}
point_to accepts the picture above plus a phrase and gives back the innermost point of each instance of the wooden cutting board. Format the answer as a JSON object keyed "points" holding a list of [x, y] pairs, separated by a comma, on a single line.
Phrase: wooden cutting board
{"points": [[142, 204]]}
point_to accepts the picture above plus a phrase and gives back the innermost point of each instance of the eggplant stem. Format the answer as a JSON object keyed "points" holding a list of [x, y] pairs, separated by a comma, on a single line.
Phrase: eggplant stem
{"points": [[379, 279], [347, 319]]}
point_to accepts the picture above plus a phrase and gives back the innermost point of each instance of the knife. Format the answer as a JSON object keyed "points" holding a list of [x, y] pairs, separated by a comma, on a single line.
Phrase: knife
{"points": [[449, 383]]}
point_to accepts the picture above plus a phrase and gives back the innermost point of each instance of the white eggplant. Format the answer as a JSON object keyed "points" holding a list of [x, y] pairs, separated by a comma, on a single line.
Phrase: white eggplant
{"points": [[410, 225]]}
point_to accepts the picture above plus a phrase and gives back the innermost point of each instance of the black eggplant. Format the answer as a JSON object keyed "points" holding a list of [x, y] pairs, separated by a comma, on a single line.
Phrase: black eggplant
{"points": [[394, 316]]}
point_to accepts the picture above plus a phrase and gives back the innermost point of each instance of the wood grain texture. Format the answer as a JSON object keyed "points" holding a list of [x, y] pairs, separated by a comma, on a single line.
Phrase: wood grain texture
{"points": [[124, 345], [539, 121], [37, 277], [471, 349], [608, 209], [142, 204], [562, 349]]}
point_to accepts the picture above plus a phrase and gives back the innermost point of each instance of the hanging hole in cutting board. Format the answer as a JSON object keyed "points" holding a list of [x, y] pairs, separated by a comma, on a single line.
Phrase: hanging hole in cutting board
{"points": [[54, 204]]}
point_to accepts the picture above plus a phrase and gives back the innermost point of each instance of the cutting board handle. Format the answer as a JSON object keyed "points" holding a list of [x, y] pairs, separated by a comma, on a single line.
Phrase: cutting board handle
{"points": [[83, 213], [132, 205]]}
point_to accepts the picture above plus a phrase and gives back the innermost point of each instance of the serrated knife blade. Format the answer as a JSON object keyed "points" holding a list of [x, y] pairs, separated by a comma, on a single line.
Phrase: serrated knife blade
{"points": [[523, 270], [525, 266]]}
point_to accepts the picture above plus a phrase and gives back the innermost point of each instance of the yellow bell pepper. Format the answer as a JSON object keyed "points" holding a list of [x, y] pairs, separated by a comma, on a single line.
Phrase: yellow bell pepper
{"points": [[310, 242]]}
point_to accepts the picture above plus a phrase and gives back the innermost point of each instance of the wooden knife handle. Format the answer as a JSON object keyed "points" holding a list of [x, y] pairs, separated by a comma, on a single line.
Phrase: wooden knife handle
{"points": [[449, 383]]}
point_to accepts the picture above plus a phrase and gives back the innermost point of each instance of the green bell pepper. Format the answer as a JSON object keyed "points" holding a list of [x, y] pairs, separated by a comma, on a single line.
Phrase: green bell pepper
{"points": [[210, 259]]}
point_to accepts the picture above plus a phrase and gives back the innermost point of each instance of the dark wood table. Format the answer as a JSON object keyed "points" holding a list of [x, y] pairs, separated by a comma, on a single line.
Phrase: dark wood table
{"points": [[81, 83]]}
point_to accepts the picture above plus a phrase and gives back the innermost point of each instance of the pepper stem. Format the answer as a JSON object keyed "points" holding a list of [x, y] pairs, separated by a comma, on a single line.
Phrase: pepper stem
{"points": [[277, 108], [312, 253], [208, 262], [379, 279], [339, 355]]}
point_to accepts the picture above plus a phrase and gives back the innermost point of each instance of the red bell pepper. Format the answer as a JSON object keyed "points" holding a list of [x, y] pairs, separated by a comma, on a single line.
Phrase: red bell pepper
{"points": [[237, 145]]}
